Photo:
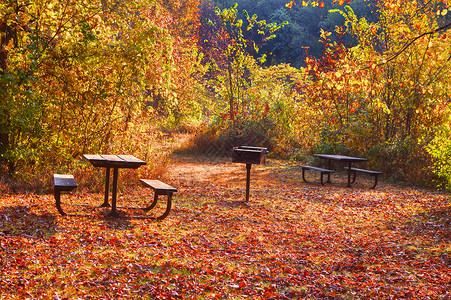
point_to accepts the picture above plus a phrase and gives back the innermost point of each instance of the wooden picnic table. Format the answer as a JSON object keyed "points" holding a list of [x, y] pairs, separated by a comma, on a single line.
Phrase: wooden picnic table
{"points": [[116, 162], [349, 160]]}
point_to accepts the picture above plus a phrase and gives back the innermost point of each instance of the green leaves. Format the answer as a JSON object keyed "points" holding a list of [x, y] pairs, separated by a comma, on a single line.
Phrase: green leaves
{"points": [[233, 58], [88, 35]]}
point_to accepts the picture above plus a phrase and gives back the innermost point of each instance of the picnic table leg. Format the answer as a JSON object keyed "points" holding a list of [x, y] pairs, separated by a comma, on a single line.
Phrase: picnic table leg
{"points": [[375, 181], [57, 195], [107, 188], [155, 200], [168, 207], [329, 166], [303, 175], [354, 174], [248, 180], [349, 175], [113, 212]]}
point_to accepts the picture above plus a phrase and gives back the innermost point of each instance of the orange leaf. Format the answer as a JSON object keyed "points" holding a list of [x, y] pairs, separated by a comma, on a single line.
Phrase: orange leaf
{"points": [[289, 4]]}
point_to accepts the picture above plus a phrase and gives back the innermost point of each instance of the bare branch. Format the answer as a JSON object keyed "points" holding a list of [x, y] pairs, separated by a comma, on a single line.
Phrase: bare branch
{"points": [[409, 43]]}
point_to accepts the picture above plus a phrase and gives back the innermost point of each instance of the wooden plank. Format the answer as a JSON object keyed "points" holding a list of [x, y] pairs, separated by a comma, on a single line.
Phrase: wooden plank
{"points": [[96, 160], [158, 185], [111, 158], [64, 182], [340, 157], [93, 157], [318, 169], [114, 161], [364, 171], [132, 159]]}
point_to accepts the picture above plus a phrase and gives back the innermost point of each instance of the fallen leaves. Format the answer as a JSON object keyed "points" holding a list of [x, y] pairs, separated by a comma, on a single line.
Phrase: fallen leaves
{"points": [[291, 240]]}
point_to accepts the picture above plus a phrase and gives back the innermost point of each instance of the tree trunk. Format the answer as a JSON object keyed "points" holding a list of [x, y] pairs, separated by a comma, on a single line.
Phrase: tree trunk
{"points": [[6, 36]]}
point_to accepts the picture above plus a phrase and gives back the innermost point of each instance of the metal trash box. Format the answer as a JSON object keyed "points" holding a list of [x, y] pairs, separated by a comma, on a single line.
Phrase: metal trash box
{"points": [[249, 155]]}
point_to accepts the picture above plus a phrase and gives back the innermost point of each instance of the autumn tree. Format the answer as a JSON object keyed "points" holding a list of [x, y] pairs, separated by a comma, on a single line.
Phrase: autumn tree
{"points": [[383, 98], [235, 49], [79, 76]]}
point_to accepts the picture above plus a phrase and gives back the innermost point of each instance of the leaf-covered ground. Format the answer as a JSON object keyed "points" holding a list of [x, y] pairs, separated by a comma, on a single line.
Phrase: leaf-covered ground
{"points": [[292, 240]]}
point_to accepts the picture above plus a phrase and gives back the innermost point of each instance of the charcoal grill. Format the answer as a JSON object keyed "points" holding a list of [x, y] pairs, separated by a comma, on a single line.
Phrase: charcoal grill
{"points": [[249, 155]]}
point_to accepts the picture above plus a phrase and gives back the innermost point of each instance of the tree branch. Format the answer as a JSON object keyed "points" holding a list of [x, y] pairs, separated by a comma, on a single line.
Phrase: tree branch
{"points": [[409, 43]]}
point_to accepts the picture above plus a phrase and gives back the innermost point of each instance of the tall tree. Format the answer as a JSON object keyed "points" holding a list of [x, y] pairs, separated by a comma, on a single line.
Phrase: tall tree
{"points": [[231, 51], [381, 96], [77, 75]]}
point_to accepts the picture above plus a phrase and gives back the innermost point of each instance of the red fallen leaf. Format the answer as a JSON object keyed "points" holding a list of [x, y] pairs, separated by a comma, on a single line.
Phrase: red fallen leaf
{"points": [[269, 292], [332, 294]]}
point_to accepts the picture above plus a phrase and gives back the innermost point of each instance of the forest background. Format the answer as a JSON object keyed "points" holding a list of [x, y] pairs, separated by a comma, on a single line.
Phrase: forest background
{"points": [[367, 78]]}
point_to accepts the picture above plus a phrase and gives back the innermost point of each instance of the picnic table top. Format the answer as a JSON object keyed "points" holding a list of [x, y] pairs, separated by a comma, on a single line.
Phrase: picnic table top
{"points": [[114, 161], [340, 157]]}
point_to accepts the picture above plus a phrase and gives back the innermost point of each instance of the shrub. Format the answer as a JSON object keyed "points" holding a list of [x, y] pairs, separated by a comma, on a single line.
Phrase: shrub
{"points": [[440, 150]]}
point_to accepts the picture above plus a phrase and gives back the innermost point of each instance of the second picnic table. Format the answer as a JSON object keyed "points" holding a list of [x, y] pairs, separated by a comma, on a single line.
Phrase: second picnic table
{"points": [[346, 159], [116, 162]]}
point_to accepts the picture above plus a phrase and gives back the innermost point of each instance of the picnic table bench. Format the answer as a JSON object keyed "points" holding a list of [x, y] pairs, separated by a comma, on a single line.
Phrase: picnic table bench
{"points": [[375, 174], [321, 170], [160, 188], [62, 182]]}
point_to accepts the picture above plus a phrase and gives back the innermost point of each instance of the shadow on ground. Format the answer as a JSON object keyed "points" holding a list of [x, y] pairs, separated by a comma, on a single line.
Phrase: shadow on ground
{"points": [[19, 221]]}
